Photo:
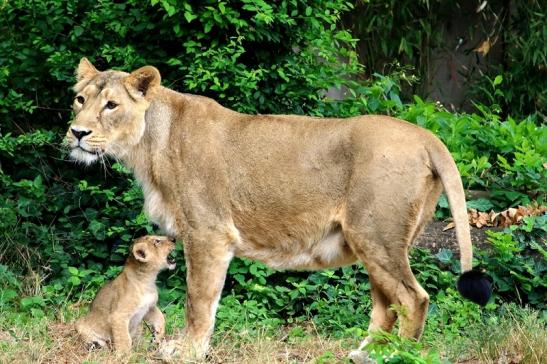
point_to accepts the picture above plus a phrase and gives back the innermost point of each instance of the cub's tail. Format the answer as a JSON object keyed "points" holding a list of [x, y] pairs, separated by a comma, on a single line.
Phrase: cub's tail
{"points": [[472, 284]]}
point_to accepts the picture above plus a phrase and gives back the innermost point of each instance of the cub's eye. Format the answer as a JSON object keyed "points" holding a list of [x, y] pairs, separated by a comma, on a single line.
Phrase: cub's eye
{"points": [[111, 105], [80, 99], [157, 242]]}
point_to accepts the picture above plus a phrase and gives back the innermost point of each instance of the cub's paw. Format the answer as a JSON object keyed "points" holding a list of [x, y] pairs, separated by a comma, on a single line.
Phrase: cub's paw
{"points": [[96, 344], [360, 357], [157, 337]]}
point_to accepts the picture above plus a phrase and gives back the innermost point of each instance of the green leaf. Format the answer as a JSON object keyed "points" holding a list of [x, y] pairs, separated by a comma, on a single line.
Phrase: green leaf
{"points": [[31, 301], [207, 27], [498, 80], [395, 98], [7, 295], [75, 281], [189, 16], [480, 204], [170, 9], [37, 312], [176, 29], [444, 255], [97, 228], [78, 30], [443, 201]]}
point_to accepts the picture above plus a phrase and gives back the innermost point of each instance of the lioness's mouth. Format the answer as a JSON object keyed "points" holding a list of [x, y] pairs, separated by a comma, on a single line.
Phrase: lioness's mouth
{"points": [[96, 152], [84, 155]]}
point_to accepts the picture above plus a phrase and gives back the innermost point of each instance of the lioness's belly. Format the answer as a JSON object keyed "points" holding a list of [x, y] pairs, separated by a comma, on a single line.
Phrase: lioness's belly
{"points": [[329, 251]]}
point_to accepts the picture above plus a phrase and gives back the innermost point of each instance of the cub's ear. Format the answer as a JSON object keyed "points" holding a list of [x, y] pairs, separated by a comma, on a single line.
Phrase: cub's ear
{"points": [[85, 70], [140, 252], [143, 82]]}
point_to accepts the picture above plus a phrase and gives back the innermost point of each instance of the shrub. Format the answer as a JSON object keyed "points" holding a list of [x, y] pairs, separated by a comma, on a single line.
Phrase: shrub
{"points": [[517, 261]]}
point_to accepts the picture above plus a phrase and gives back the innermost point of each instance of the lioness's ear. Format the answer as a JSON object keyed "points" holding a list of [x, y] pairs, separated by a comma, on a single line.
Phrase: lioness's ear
{"points": [[143, 82], [85, 70], [140, 252]]}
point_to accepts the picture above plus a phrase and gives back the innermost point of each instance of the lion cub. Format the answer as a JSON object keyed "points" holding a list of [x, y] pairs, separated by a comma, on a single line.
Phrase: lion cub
{"points": [[120, 306]]}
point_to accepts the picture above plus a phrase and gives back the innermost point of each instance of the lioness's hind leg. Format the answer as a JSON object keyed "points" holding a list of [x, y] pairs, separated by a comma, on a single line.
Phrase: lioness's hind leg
{"points": [[395, 288], [409, 299], [395, 291], [382, 316]]}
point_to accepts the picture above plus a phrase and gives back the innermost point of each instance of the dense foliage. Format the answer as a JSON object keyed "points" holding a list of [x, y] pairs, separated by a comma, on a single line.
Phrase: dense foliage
{"points": [[515, 31], [66, 228]]}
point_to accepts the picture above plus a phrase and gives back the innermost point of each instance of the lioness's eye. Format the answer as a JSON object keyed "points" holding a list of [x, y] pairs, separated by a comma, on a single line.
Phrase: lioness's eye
{"points": [[80, 99], [157, 242], [111, 105]]}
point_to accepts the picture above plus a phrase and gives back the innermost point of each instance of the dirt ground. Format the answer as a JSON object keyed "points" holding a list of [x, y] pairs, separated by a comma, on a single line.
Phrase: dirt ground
{"points": [[434, 238]]}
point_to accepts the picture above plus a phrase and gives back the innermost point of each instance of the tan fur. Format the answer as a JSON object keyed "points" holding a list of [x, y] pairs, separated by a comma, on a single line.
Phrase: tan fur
{"points": [[120, 306], [292, 191]]}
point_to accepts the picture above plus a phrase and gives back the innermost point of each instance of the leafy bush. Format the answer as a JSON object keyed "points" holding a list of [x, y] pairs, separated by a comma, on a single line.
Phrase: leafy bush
{"points": [[505, 157], [251, 55], [517, 261], [9, 287]]}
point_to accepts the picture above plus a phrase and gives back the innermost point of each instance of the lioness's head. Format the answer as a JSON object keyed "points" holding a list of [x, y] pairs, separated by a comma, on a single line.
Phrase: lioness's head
{"points": [[155, 253], [109, 110]]}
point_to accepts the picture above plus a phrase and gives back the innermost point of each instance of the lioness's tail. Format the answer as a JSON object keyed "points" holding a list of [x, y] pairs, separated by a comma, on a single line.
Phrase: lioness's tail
{"points": [[472, 284]]}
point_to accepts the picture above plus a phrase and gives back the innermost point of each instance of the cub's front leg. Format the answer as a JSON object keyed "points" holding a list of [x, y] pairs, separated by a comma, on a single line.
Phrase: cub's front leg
{"points": [[120, 333], [156, 322]]}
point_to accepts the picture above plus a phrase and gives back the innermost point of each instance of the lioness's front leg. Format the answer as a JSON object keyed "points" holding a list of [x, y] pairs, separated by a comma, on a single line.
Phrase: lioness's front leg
{"points": [[207, 261]]}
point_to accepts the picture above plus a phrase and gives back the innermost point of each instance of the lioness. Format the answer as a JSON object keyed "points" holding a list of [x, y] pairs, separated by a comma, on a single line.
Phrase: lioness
{"points": [[294, 192], [120, 306]]}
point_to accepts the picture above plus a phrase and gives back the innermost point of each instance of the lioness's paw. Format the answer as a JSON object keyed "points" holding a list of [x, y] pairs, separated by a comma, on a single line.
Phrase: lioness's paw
{"points": [[180, 351], [167, 350], [360, 357]]}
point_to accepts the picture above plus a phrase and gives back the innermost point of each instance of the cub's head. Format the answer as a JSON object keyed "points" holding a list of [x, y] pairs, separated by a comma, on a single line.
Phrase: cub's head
{"points": [[154, 253], [109, 110]]}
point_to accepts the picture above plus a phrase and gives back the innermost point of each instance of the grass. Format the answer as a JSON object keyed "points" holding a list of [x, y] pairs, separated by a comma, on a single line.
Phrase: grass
{"points": [[511, 335], [519, 337], [54, 340]]}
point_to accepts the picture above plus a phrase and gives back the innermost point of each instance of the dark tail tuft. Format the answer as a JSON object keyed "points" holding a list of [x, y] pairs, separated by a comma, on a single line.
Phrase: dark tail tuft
{"points": [[475, 286]]}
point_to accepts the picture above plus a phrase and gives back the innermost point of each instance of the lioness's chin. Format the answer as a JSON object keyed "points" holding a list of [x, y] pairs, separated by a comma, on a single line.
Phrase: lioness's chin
{"points": [[81, 155]]}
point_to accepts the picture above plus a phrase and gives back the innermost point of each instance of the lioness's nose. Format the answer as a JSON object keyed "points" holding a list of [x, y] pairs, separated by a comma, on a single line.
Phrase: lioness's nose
{"points": [[79, 134]]}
